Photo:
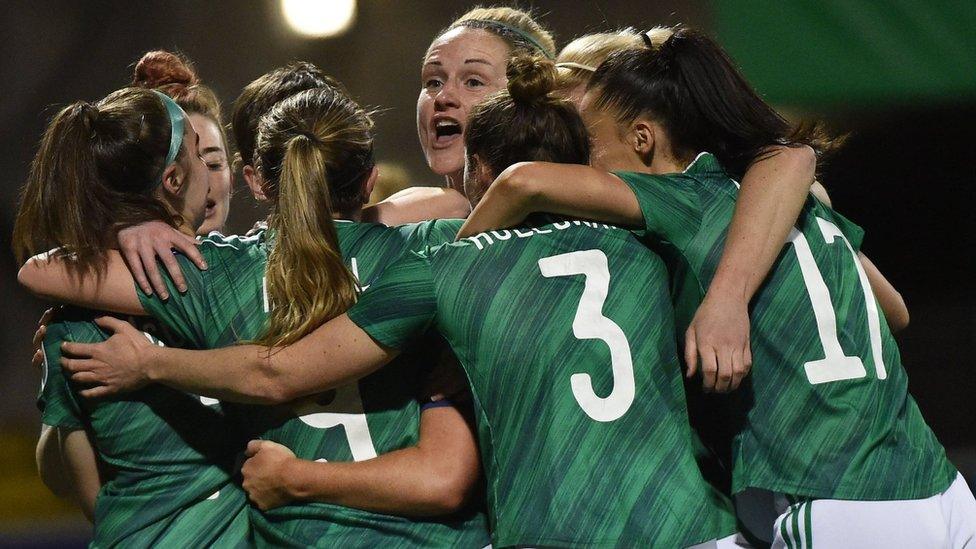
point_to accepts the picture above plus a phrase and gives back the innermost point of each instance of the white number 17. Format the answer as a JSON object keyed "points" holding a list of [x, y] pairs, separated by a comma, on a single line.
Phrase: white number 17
{"points": [[835, 365]]}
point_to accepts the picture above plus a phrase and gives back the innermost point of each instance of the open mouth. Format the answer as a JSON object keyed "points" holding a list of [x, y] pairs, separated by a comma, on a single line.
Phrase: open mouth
{"points": [[211, 206], [446, 130]]}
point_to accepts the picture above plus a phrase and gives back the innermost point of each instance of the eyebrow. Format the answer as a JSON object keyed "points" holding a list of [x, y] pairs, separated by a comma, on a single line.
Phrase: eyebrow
{"points": [[211, 149], [466, 61]]}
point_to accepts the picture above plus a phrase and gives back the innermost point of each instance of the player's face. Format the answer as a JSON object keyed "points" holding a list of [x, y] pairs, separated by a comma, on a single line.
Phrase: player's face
{"points": [[196, 183], [461, 68], [214, 154], [610, 150]]}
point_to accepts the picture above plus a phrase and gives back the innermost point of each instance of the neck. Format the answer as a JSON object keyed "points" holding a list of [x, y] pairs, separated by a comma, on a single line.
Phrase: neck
{"points": [[355, 214], [456, 181]]}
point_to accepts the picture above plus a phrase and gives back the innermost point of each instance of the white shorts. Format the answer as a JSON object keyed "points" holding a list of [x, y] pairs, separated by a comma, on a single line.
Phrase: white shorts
{"points": [[946, 520]]}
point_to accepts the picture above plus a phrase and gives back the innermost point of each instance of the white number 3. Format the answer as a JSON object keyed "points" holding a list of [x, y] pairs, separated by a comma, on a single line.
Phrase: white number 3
{"points": [[590, 323]]}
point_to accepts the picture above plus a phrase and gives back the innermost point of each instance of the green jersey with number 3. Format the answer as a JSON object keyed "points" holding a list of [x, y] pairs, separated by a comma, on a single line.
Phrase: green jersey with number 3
{"points": [[228, 303], [566, 333], [826, 408], [168, 456]]}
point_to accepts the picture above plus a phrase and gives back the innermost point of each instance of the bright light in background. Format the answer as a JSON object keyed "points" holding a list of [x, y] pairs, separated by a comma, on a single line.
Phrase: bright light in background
{"points": [[319, 18]]}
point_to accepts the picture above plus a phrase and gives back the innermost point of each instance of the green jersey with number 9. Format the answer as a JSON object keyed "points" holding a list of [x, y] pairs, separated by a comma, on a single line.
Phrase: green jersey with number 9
{"points": [[566, 333], [826, 411], [228, 303]]}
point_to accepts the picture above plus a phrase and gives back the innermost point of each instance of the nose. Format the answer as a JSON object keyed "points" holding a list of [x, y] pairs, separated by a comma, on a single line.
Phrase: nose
{"points": [[447, 98]]}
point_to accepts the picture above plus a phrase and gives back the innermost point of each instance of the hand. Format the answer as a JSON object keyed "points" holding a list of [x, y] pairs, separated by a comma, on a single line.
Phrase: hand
{"points": [[446, 380], [258, 227], [266, 474], [719, 336], [37, 361], [115, 365], [142, 244]]}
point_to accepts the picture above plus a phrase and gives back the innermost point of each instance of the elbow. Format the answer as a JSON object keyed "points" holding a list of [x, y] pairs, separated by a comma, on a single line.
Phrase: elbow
{"points": [[271, 387], [517, 184], [28, 277], [450, 489], [899, 318], [458, 207]]}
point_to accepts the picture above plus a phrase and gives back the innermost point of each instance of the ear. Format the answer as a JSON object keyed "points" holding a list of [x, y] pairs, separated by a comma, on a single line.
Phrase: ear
{"points": [[173, 179], [254, 182], [642, 138], [370, 183]]}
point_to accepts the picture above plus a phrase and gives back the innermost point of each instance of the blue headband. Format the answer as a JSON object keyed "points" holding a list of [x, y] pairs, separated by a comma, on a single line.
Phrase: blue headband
{"points": [[177, 120], [514, 30]]}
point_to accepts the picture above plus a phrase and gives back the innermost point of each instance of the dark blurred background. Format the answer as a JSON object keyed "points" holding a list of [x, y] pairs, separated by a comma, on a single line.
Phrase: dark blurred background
{"points": [[898, 75]]}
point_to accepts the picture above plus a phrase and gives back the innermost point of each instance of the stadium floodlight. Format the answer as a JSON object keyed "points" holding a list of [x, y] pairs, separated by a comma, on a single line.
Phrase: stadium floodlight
{"points": [[319, 18]]}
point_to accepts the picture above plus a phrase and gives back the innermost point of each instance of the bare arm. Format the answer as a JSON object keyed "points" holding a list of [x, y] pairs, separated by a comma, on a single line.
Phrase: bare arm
{"points": [[435, 477], [67, 464], [530, 187], [418, 204], [336, 353], [770, 198], [50, 278]]}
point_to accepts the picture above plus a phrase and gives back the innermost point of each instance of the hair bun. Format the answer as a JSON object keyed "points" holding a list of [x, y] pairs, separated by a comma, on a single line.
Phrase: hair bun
{"points": [[162, 68], [530, 78]]}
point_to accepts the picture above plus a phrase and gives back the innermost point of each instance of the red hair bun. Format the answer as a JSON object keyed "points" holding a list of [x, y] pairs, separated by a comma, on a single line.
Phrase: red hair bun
{"points": [[161, 68]]}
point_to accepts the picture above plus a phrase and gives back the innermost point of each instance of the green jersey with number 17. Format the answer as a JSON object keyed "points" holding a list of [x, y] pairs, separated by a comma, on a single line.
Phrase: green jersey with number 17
{"points": [[828, 414], [228, 303], [565, 331]]}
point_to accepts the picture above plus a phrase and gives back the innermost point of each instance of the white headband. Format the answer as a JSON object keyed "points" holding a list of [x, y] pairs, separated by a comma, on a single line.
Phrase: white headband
{"points": [[571, 65]]}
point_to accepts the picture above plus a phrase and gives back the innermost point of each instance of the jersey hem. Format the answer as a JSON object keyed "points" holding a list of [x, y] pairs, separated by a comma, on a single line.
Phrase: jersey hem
{"points": [[815, 492]]}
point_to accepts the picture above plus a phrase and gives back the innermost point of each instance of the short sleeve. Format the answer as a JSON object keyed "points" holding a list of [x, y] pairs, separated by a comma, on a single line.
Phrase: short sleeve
{"points": [[433, 233], [401, 305], [852, 231], [670, 204], [57, 402]]}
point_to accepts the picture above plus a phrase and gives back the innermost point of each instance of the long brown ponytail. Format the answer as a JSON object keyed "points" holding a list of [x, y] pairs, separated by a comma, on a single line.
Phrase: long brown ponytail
{"points": [[94, 174], [313, 150]]}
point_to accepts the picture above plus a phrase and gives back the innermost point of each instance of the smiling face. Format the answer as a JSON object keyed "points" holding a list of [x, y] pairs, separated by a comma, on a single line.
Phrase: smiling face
{"points": [[462, 67], [214, 154]]}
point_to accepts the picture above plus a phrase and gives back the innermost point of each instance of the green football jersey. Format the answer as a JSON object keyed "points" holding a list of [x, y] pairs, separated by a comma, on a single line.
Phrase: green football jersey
{"points": [[566, 333], [825, 411], [169, 456], [228, 303]]}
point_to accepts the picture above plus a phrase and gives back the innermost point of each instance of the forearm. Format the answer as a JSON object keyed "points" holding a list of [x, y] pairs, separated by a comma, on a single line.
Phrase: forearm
{"points": [[336, 353], [418, 204], [399, 483], [54, 278], [770, 199], [892, 303]]}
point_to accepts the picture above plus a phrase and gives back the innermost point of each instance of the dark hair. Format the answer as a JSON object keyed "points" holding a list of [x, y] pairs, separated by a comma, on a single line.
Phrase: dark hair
{"points": [[94, 174], [259, 96], [527, 122], [314, 151], [692, 87], [174, 75]]}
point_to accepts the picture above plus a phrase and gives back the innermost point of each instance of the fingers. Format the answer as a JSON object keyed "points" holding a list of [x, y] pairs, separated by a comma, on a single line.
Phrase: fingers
{"points": [[87, 378], [738, 370], [190, 248], [77, 350], [172, 267], [37, 360], [46, 317], [709, 369], [112, 324], [725, 363], [691, 352], [148, 257], [134, 261], [97, 392], [38, 338], [253, 448]]}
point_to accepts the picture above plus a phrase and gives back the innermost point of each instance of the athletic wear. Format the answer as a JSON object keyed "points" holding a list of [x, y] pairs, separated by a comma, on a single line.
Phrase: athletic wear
{"points": [[170, 457], [944, 520], [228, 303], [566, 333], [828, 414]]}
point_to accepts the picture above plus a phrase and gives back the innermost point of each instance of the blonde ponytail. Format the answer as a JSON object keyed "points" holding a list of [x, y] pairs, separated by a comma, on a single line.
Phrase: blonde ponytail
{"points": [[304, 147]]}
